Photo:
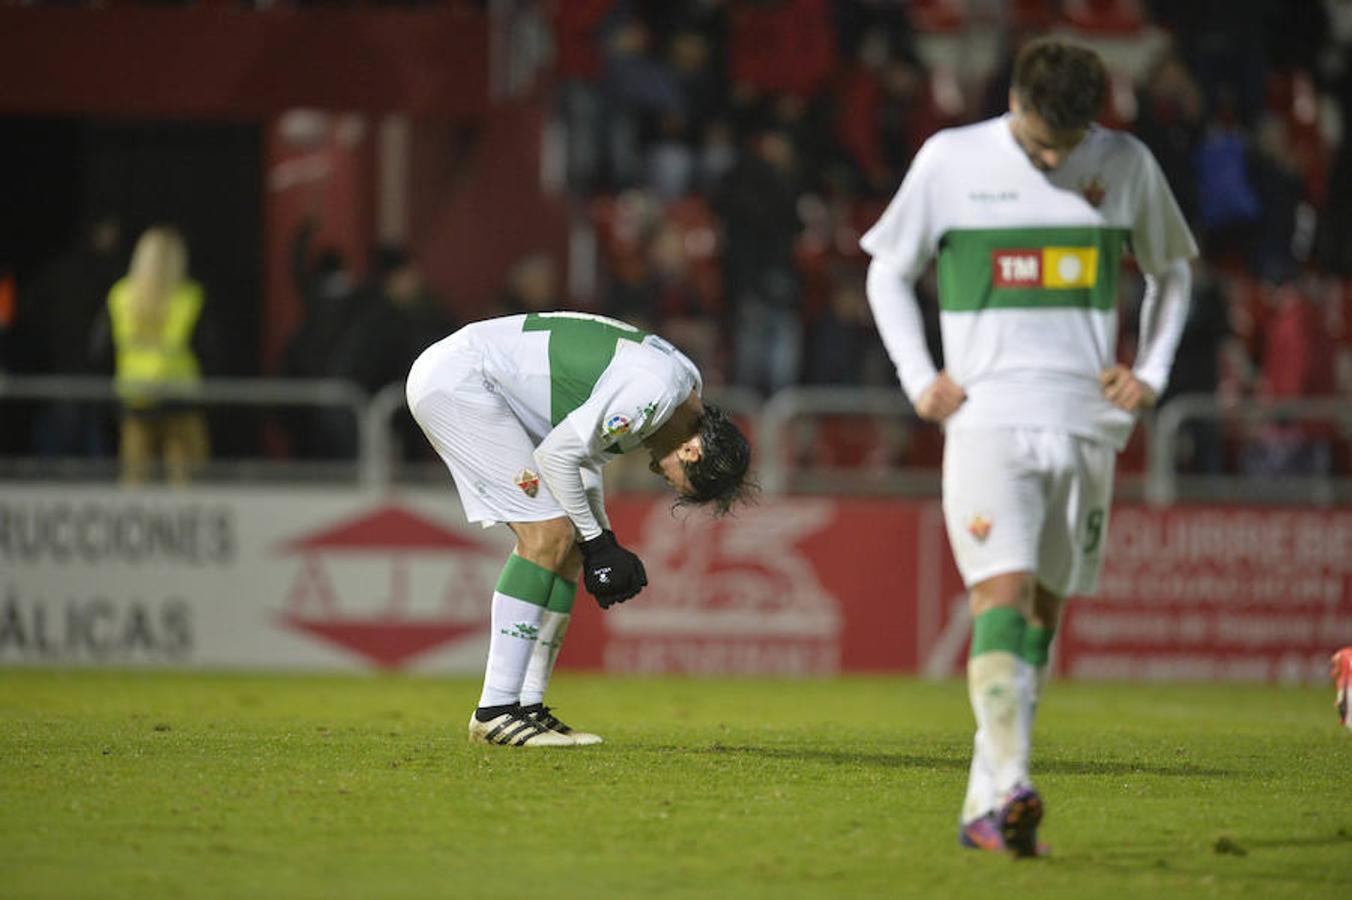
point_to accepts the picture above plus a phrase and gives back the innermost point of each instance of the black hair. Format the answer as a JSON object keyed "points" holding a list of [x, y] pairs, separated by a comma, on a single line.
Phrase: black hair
{"points": [[1063, 83], [719, 477]]}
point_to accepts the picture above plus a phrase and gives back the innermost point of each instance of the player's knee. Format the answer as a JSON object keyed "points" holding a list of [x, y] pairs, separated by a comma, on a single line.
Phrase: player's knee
{"points": [[1046, 608], [1010, 589], [548, 544]]}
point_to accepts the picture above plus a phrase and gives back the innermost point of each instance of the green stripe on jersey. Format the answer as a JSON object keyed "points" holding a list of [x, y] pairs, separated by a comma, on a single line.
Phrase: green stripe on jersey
{"points": [[581, 345], [1030, 268]]}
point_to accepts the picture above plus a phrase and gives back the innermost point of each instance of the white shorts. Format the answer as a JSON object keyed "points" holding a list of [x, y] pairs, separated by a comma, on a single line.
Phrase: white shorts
{"points": [[1028, 500], [489, 453]]}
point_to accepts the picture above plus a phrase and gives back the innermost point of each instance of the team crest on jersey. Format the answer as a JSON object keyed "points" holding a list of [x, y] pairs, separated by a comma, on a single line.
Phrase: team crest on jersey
{"points": [[1093, 191], [615, 426], [979, 527], [529, 482]]}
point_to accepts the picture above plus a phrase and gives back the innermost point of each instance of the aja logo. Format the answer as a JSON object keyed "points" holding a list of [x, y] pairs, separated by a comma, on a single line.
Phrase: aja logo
{"points": [[389, 585], [1049, 267]]}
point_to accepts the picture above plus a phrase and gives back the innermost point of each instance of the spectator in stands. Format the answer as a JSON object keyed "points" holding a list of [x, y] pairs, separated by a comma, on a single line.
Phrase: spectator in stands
{"points": [[1170, 122], [532, 286], [758, 202], [1228, 205], [396, 319], [843, 346], [1336, 226], [324, 285], [1224, 43], [1197, 370], [60, 310], [580, 105], [673, 154], [155, 322], [631, 291], [641, 93], [1299, 359], [717, 155], [1280, 186], [686, 307]]}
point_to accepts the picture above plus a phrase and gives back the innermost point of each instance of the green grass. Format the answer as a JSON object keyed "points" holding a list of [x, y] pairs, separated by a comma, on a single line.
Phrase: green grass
{"points": [[171, 785]]}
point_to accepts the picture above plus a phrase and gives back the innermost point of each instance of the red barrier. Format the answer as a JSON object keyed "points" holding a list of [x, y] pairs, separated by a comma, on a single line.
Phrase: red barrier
{"points": [[819, 585]]}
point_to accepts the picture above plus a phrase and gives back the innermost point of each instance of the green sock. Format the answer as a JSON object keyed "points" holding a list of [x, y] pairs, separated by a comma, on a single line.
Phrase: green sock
{"points": [[562, 593], [997, 690], [1036, 651], [519, 602], [526, 581], [1037, 645], [1000, 629], [553, 626]]}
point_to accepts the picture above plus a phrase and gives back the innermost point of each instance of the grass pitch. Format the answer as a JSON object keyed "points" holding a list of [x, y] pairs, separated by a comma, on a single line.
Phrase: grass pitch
{"points": [[155, 785]]}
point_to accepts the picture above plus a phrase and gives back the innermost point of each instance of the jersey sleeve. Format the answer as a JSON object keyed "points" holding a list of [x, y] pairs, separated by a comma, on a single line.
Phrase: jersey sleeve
{"points": [[1159, 234], [624, 408], [905, 235]]}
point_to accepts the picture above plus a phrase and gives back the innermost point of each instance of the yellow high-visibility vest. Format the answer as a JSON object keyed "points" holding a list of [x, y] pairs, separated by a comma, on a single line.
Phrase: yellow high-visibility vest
{"points": [[166, 358]]}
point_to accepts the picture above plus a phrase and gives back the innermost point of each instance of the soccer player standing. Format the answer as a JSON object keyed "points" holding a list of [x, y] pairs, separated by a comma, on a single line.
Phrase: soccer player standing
{"points": [[1029, 215], [525, 410]]}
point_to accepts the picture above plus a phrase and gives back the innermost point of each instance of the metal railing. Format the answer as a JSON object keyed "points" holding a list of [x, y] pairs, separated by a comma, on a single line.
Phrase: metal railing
{"points": [[772, 424], [791, 404], [256, 393], [1164, 484]]}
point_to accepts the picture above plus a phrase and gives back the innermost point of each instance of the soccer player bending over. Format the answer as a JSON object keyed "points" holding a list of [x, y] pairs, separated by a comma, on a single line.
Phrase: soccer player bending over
{"points": [[525, 410], [1029, 215]]}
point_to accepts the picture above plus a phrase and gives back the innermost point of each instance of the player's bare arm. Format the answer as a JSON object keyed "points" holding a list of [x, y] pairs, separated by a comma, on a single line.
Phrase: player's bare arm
{"points": [[1124, 390], [940, 400]]}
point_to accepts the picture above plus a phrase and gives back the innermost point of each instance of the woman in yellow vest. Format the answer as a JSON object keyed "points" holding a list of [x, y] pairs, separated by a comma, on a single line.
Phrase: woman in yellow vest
{"points": [[154, 312]]}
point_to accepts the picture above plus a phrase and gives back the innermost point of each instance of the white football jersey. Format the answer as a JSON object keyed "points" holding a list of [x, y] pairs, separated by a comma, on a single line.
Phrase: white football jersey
{"points": [[611, 382], [1028, 265]]}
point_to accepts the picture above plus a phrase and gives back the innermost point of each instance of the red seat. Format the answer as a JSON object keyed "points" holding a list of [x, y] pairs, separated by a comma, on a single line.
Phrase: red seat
{"points": [[938, 15], [1114, 17]]}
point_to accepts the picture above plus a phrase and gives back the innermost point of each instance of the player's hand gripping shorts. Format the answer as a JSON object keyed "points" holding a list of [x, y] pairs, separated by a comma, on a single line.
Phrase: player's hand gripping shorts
{"points": [[1028, 500]]}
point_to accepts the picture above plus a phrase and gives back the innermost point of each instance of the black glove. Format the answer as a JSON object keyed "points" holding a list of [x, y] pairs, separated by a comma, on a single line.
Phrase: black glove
{"points": [[609, 571]]}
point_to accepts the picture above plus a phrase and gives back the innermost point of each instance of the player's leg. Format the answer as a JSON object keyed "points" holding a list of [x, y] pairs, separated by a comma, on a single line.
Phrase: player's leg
{"points": [[1037, 642], [1070, 554], [993, 508], [553, 629], [136, 448], [185, 445], [998, 684], [490, 456]]}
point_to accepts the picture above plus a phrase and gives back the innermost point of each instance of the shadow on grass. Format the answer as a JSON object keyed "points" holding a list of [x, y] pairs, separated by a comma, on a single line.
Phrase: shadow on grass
{"points": [[956, 761], [1228, 858]]}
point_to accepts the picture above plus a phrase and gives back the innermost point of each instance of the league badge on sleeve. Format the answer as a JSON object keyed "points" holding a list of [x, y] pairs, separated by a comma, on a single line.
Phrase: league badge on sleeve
{"points": [[615, 426]]}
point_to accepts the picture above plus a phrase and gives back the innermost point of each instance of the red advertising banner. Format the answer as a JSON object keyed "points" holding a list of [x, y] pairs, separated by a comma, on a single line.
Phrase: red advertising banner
{"points": [[1216, 593], [819, 585], [790, 587]]}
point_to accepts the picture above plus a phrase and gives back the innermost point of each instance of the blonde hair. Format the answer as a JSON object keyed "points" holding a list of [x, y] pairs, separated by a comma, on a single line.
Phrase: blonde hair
{"points": [[159, 265]]}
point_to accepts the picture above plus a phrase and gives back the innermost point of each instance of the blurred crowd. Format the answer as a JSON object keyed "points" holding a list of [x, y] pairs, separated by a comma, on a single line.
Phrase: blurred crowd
{"points": [[729, 189], [727, 156], [134, 313]]}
